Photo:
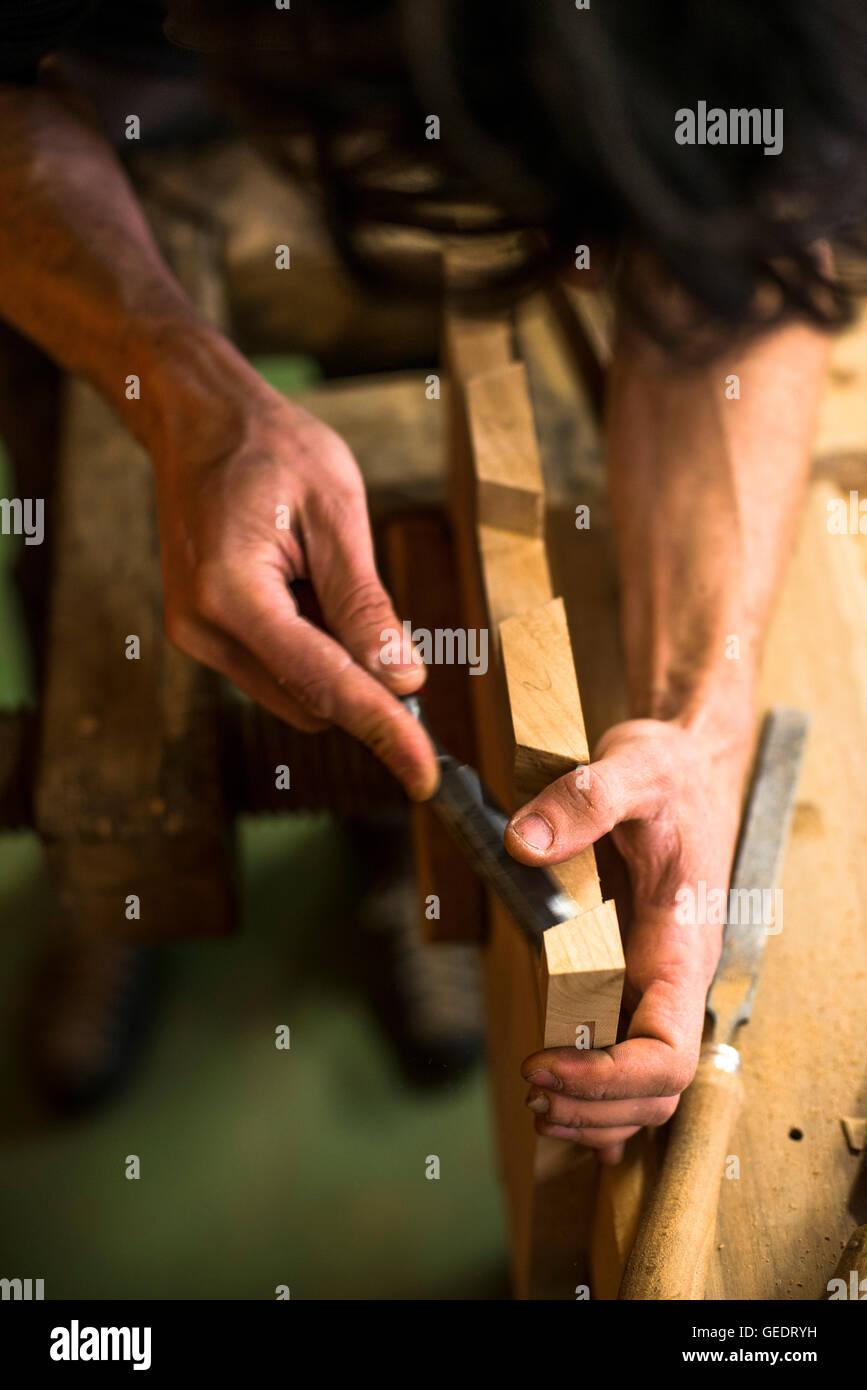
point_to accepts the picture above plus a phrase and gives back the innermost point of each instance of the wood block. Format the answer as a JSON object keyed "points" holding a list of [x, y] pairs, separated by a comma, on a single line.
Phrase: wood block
{"points": [[547, 722], [508, 470], [582, 980]]}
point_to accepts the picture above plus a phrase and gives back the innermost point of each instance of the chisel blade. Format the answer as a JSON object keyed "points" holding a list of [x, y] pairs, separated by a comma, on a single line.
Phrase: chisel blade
{"points": [[473, 818], [757, 866]]}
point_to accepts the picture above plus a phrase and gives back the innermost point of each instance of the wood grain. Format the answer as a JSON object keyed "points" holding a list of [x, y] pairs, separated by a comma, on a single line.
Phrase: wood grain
{"points": [[508, 471], [420, 570], [783, 1223], [582, 980], [130, 793], [545, 706], [671, 1253]]}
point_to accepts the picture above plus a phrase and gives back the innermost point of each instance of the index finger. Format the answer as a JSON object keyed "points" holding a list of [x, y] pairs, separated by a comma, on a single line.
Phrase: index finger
{"points": [[316, 671]]}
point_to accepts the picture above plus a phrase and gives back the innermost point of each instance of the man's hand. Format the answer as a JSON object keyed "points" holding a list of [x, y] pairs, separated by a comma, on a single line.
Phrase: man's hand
{"points": [[227, 567], [80, 274], [670, 798]]}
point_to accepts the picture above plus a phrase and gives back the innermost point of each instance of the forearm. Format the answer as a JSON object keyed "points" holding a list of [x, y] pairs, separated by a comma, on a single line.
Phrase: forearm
{"points": [[81, 275], [705, 496]]}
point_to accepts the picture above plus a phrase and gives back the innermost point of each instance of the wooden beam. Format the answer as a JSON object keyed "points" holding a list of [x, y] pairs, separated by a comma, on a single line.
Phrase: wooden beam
{"points": [[549, 1185]]}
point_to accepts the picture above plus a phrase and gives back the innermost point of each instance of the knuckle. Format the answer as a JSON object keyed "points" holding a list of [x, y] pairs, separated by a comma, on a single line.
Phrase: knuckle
{"points": [[362, 606], [597, 799], [663, 1110], [681, 1073], [379, 735], [574, 1119], [315, 692]]}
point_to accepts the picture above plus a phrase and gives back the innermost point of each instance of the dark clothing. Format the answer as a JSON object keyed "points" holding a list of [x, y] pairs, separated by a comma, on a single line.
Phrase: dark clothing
{"points": [[29, 29], [140, 33]]}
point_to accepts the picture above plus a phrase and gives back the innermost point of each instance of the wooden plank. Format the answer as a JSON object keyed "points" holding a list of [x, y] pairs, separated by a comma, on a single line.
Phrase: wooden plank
{"points": [[547, 720], [420, 572], [620, 1198], [508, 471], [515, 574], [396, 433], [129, 795], [548, 1184], [784, 1221], [474, 345]]}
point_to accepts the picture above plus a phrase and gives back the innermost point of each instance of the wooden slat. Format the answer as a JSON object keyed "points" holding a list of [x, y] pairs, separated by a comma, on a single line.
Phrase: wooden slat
{"points": [[420, 571], [130, 797], [548, 1184]]}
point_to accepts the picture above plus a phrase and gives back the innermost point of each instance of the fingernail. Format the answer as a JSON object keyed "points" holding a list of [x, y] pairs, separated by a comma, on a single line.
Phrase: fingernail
{"points": [[408, 661], [538, 1102], [422, 789], [535, 831], [546, 1079]]}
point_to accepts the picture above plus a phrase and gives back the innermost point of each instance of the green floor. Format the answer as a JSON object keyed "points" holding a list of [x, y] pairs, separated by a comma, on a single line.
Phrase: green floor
{"points": [[259, 1167]]}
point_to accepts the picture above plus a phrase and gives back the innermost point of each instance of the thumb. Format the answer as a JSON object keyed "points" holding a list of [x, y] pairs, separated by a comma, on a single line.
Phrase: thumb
{"points": [[578, 809]]}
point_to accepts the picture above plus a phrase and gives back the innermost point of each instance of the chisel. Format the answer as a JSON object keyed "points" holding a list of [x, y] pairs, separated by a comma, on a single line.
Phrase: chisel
{"points": [[471, 815], [670, 1257]]}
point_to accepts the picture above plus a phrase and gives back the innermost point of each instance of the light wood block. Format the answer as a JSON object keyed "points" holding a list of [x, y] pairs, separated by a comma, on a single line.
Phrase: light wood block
{"points": [[547, 722], [508, 470], [582, 980]]}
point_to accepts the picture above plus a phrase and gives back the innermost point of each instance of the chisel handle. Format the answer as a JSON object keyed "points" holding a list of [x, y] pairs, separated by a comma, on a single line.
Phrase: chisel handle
{"points": [[671, 1253]]}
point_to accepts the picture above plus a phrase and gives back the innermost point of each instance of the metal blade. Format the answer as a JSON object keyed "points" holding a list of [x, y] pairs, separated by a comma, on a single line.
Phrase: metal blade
{"points": [[758, 861], [472, 816]]}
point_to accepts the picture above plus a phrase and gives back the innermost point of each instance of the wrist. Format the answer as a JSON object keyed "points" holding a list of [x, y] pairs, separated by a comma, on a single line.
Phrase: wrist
{"points": [[718, 702], [198, 394]]}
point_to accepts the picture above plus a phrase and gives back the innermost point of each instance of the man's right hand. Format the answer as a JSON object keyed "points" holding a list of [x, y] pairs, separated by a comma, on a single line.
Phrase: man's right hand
{"points": [[81, 275], [227, 567]]}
